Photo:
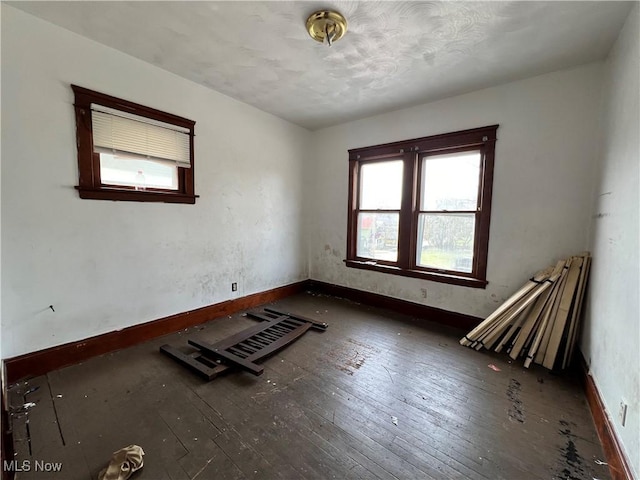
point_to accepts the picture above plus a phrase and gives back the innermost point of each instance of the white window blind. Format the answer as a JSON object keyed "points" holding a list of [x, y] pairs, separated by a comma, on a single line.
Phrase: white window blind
{"points": [[116, 132]]}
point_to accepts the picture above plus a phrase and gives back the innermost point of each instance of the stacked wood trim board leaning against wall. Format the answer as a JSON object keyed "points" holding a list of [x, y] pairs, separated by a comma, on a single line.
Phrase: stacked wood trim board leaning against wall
{"points": [[541, 320]]}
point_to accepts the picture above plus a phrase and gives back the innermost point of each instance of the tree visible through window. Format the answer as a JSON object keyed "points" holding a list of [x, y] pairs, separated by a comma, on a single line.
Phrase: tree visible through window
{"points": [[379, 214], [422, 207]]}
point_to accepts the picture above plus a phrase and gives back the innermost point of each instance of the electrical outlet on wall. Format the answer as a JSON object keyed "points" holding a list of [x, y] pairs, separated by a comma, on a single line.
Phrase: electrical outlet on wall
{"points": [[622, 413], [234, 287], [423, 291]]}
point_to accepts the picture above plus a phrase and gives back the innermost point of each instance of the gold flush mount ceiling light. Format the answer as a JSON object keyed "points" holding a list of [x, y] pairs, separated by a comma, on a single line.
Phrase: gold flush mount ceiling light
{"points": [[326, 25]]}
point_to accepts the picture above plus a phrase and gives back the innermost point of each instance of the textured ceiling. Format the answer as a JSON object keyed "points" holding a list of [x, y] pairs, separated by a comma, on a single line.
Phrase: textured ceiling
{"points": [[395, 54]]}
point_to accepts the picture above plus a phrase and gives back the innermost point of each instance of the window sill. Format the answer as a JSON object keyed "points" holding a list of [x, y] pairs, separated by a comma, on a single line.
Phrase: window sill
{"points": [[135, 196], [433, 276]]}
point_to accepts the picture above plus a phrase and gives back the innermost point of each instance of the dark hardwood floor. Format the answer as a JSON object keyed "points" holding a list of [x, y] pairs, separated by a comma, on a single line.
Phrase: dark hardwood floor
{"points": [[377, 395]]}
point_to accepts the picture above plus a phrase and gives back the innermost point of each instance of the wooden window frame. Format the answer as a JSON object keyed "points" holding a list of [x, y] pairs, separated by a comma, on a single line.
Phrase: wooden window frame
{"points": [[89, 183], [411, 153]]}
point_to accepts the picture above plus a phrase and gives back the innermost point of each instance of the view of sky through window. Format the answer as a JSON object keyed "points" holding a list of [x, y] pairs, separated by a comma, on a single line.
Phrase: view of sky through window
{"points": [[381, 185], [450, 182]]}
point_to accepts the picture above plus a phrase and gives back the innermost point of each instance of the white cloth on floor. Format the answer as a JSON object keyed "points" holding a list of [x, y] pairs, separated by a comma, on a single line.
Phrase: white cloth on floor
{"points": [[123, 463]]}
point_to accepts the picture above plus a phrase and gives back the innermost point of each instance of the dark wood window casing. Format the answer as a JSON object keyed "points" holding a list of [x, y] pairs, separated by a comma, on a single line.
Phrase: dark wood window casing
{"points": [[90, 185], [411, 152]]}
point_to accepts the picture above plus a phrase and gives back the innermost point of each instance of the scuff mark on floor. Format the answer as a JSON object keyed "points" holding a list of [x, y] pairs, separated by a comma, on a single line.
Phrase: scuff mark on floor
{"points": [[350, 356], [571, 462], [516, 409]]}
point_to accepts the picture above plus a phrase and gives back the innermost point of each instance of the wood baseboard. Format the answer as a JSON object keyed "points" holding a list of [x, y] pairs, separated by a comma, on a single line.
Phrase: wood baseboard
{"points": [[445, 317], [618, 465], [43, 361]]}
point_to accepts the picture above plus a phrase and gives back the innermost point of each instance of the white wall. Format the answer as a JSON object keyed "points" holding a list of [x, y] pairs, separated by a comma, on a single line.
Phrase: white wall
{"points": [[611, 338], [107, 265], [542, 183]]}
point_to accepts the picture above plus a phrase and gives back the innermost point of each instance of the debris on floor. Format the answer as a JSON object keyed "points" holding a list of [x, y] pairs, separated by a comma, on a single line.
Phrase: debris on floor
{"points": [[23, 407], [123, 463], [541, 320]]}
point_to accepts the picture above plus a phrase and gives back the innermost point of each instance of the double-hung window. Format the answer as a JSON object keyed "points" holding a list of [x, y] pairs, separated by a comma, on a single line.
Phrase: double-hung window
{"points": [[422, 207], [127, 151]]}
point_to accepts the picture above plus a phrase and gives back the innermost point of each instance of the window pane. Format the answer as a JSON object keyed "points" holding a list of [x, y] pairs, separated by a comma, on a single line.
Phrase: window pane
{"points": [[381, 185], [445, 241], [378, 236], [450, 182], [134, 172]]}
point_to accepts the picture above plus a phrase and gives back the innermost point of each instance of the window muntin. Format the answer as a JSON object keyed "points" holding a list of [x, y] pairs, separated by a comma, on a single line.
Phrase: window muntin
{"points": [[131, 152], [442, 221]]}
